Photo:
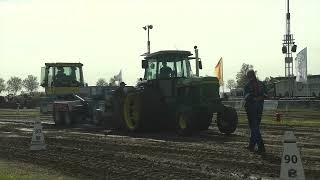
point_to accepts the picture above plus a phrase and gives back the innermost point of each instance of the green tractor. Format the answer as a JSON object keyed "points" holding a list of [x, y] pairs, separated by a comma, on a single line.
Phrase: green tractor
{"points": [[171, 96]]}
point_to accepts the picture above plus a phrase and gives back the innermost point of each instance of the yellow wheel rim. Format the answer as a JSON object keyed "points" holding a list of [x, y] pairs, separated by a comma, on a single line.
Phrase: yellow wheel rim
{"points": [[182, 122], [131, 111]]}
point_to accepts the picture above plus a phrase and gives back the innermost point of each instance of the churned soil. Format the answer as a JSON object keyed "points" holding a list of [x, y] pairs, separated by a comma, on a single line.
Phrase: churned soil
{"points": [[87, 152]]}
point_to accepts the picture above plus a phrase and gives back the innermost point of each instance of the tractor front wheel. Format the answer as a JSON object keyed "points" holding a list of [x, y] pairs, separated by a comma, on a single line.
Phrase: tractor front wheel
{"points": [[227, 120]]}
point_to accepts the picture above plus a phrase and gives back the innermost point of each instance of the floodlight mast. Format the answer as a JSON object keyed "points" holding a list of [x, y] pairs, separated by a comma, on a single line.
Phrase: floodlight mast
{"points": [[288, 45], [288, 48], [147, 27]]}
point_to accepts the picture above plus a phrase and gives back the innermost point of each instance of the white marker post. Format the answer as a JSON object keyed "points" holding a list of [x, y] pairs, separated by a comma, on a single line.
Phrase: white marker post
{"points": [[37, 141], [18, 108], [291, 165]]}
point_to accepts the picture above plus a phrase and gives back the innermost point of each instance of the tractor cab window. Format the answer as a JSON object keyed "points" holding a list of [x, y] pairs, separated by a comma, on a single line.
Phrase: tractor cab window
{"points": [[43, 77], [67, 76], [151, 71], [166, 69], [183, 68], [190, 65], [50, 76]]}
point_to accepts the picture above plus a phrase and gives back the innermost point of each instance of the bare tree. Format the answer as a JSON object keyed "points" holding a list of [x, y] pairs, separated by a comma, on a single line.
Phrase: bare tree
{"points": [[30, 83], [14, 84], [101, 82], [2, 85], [231, 84]]}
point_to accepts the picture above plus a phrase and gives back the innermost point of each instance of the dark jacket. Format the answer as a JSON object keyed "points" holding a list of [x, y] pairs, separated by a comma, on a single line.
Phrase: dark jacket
{"points": [[254, 91]]}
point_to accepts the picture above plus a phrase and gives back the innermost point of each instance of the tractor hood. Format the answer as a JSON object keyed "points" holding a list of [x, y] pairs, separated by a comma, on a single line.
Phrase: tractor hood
{"points": [[195, 81], [201, 92]]}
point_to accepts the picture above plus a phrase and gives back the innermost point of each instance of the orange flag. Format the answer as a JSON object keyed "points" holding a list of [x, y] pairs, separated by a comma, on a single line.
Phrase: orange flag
{"points": [[219, 71]]}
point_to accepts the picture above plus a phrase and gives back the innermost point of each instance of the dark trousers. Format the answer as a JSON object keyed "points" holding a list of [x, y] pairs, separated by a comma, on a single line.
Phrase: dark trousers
{"points": [[254, 114]]}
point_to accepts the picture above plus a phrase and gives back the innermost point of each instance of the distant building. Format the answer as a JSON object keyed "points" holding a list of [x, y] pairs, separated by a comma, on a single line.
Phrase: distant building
{"points": [[236, 92], [311, 88]]}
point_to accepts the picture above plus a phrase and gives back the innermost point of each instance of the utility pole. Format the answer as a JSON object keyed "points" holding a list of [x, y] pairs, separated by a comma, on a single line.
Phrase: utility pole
{"points": [[147, 27], [288, 48]]}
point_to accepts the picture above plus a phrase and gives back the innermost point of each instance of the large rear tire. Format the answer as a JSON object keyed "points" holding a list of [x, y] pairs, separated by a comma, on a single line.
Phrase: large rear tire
{"points": [[184, 123], [132, 112], [143, 111], [227, 120]]}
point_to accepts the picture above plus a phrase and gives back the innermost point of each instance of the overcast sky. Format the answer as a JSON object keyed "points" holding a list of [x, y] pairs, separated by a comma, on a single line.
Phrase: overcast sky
{"points": [[107, 36]]}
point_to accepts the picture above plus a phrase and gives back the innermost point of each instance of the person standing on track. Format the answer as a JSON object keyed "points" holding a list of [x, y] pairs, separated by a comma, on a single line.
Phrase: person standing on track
{"points": [[254, 94]]}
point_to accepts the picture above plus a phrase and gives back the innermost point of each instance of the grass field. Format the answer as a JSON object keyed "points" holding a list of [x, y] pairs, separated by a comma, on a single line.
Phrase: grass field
{"points": [[23, 171], [21, 113]]}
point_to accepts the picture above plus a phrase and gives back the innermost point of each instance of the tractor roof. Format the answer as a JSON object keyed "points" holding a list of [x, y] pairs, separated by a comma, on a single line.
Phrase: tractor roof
{"points": [[168, 54], [58, 64]]}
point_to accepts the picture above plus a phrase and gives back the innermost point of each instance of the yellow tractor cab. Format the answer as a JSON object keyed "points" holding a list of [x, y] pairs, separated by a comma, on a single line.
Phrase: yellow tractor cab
{"points": [[62, 78]]}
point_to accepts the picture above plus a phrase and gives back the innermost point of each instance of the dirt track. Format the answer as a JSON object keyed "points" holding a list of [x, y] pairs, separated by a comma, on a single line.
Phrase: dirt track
{"points": [[101, 154]]}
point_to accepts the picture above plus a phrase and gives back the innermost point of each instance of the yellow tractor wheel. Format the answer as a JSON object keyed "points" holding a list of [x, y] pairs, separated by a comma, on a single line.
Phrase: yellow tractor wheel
{"points": [[183, 124], [132, 112]]}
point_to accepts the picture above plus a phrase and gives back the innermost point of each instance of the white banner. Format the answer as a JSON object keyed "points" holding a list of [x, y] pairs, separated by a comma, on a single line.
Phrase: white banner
{"points": [[301, 66], [118, 77]]}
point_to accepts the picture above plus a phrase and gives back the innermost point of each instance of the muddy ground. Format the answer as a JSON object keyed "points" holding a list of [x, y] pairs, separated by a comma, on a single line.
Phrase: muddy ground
{"points": [[86, 152]]}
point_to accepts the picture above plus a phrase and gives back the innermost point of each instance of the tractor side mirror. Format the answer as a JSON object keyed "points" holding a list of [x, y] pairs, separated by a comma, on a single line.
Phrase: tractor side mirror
{"points": [[200, 65], [144, 64]]}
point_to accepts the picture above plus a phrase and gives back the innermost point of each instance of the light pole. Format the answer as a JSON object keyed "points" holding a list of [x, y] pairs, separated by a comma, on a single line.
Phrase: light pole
{"points": [[147, 27], [288, 48]]}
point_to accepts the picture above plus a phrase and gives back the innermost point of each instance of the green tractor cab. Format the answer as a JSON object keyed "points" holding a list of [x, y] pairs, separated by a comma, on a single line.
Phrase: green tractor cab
{"points": [[172, 96]]}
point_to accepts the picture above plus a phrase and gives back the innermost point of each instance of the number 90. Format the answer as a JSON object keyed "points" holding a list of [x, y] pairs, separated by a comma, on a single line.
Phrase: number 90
{"points": [[293, 159]]}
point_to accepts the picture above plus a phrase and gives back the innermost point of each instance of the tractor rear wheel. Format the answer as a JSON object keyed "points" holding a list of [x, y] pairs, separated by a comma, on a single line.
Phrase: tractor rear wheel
{"points": [[227, 120], [132, 112], [184, 123]]}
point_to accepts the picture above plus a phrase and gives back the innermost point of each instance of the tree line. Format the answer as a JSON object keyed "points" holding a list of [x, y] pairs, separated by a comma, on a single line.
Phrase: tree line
{"points": [[31, 84], [16, 84], [241, 79], [103, 82]]}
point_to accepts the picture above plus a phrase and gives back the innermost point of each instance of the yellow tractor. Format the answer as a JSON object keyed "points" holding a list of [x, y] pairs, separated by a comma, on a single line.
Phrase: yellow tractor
{"points": [[62, 83]]}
